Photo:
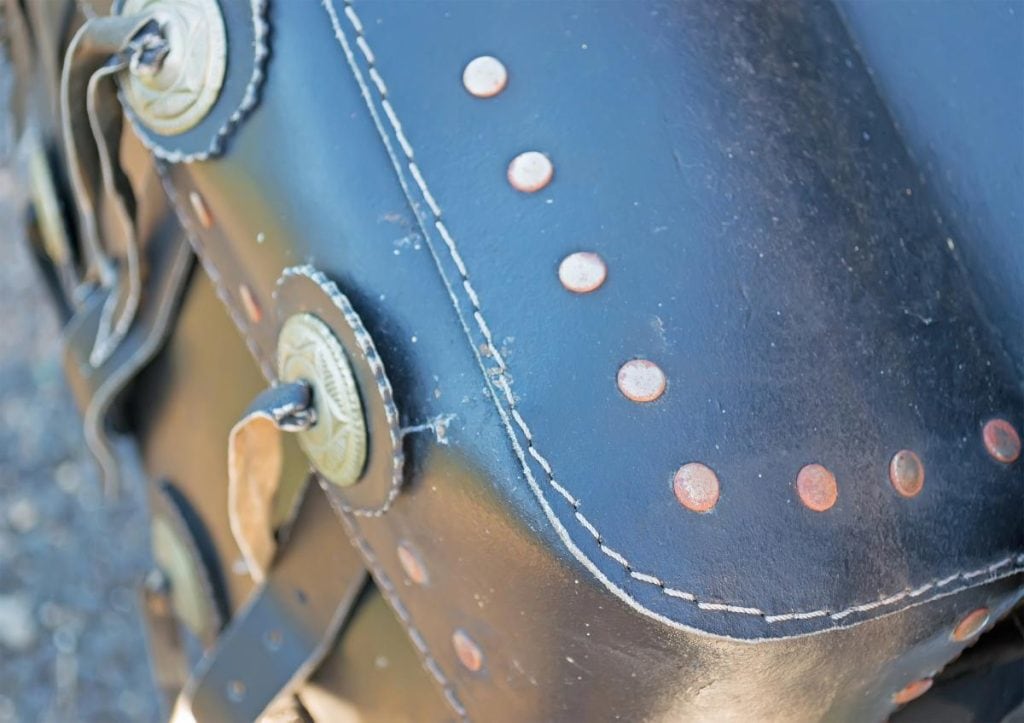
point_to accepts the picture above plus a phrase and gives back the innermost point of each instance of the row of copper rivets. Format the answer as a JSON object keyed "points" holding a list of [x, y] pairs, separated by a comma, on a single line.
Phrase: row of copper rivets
{"points": [[696, 486]]}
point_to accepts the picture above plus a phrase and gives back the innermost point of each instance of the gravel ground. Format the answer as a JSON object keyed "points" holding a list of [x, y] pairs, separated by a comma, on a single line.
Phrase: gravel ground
{"points": [[71, 641]]}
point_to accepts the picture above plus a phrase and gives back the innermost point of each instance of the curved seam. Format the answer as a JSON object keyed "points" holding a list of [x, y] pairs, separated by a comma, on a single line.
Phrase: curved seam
{"points": [[379, 376], [250, 96], [499, 377]]}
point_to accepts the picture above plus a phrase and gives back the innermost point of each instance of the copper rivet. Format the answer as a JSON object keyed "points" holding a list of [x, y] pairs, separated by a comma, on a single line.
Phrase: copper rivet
{"points": [[911, 691], [906, 472], [817, 487], [485, 77], [531, 171], [252, 307], [970, 625], [641, 380], [696, 487], [411, 564], [201, 211], [582, 272], [467, 651], [1001, 440]]}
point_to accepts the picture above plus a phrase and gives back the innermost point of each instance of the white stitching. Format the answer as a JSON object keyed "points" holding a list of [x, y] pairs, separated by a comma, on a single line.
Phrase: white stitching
{"points": [[388, 590], [501, 382], [379, 375], [249, 98]]}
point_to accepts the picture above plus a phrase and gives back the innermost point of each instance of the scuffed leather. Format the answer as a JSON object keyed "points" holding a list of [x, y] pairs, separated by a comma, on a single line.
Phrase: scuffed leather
{"points": [[769, 245]]}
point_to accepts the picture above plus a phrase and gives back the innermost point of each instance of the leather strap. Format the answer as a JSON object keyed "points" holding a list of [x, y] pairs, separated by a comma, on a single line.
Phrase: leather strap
{"points": [[287, 627], [254, 469]]}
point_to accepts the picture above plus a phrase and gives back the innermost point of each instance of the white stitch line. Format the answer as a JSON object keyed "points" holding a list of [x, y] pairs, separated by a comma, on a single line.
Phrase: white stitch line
{"points": [[644, 577], [471, 292], [415, 170], [565, 493], [795, 616], [350, 13], [386, 104], [671, 592], [361, 42], [379, 82], [450, 242], [388, 589], [614, 555], [502, 383], [722, 607], [589, 527]]}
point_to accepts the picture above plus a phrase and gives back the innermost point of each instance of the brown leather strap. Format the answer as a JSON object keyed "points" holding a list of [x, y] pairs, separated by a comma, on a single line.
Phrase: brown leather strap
{"points": [[254, 469]]}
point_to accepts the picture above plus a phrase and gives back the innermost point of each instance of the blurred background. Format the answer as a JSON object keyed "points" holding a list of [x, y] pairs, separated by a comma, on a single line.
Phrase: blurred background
{"points": [[71, 640]]}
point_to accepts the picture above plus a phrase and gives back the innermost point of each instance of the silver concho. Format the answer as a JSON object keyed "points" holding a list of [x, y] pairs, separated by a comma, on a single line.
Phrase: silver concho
{"points": [[182, 91], [336, 445]]}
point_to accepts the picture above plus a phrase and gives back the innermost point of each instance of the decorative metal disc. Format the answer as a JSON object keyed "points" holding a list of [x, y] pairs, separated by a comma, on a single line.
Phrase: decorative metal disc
{"points": [[183, 90], [336, 445]]}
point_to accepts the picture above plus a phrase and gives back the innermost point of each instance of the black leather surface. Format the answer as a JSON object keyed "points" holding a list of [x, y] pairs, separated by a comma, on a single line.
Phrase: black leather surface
{"points": [[959, 102], [769, 246]]}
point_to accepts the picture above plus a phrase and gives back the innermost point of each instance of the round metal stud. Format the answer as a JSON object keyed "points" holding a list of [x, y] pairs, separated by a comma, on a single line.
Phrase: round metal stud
{"points": [[912, 691], [817, 487], [485, 77], [336, 445], [970, 625], [199, 208], [696, 487], [412, 565], [906, 472], [249, 303], [467, 651], [1001, 441], [582, 272], [641, 380], [530, 172], [236, 691], [177, 93]]}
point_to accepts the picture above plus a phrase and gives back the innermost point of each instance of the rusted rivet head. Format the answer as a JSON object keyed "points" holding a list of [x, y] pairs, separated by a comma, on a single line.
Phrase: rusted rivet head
{"points": [[582, 272], [906, 472], [911, 691], [467, 651], [236, 691], [696, 487], [531, 171], [641, 380], [817, 487], [411, 564], [1001, 440], [249, 303], [485, 77], [199, 208], [970, 625]]}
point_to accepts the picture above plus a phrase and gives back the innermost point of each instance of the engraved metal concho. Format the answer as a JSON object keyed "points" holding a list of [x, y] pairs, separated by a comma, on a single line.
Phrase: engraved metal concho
{"points": [[336, 445], [185, 87]]}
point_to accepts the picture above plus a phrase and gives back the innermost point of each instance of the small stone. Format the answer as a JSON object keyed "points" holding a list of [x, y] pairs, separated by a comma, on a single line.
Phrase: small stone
{"points": [[23, 515], [17, 628], [68, 477]]}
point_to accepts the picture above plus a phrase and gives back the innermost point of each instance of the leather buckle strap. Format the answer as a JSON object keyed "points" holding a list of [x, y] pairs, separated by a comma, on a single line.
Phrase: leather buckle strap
{"points": [[286, 628]]}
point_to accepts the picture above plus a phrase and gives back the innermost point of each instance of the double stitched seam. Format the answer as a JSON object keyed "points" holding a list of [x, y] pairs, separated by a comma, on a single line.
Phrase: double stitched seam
{"points": [[499, 376]]}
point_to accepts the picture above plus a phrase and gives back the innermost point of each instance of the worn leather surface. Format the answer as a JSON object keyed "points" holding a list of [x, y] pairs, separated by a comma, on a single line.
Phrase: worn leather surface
{"points": [[960, 108], [770, 246]]}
